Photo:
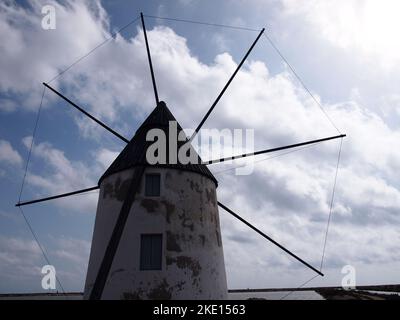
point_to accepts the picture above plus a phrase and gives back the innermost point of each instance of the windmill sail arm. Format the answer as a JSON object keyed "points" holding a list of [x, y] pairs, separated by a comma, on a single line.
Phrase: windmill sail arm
{"points": [[116, 235], [226, 85], [86, 113], [269, 239], [20, 204], [244, 155], [153, 78]]}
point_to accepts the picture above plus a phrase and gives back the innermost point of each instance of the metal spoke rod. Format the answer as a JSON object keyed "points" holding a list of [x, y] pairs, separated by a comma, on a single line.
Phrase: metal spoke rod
{"points": [[226, 86], [86, 113], [244, 155], [269, 238], [153, 78], [112, 247], [19, 204]]}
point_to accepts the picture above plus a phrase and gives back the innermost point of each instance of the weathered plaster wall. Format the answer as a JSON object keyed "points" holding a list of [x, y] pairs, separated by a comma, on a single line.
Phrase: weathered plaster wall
{"points": [[186, 214]]}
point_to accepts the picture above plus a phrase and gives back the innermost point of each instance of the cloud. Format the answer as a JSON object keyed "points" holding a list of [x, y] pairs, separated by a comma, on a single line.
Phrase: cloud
{"points": [[75, 251], [8, 154], [19, 258], [10, 216], [17, 246], [60, 175], [105, 157], [365, 27], [7, 105], [52, 173], [21, 261], [32, 55]]}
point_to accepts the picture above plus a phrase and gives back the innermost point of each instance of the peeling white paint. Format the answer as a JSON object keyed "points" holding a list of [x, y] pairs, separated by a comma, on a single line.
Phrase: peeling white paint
{"points": [[186, 214]]}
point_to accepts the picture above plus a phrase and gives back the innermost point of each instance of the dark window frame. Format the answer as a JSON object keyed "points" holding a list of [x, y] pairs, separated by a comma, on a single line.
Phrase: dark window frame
{"points": [[151, 251], [152, 186]]}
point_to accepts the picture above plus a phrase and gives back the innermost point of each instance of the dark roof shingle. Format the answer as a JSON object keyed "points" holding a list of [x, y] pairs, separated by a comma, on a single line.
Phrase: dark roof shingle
{"points": [[134, 153]]}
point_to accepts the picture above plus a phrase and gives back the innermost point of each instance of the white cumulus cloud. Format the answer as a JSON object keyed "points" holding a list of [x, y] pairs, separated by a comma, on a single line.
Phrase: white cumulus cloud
{"points": [[8, 154]]}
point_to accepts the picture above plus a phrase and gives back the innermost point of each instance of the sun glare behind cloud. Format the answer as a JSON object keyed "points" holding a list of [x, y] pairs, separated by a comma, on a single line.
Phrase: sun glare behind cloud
{"points": [[369, 27], [380, 25]]}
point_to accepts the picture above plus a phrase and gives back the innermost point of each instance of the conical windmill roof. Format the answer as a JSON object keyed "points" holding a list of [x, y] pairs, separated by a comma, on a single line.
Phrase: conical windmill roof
{"points": [[134, 153]]}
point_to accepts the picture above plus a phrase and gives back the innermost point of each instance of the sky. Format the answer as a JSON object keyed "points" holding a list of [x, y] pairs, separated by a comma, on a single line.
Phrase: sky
{"points": [[346, 52]]}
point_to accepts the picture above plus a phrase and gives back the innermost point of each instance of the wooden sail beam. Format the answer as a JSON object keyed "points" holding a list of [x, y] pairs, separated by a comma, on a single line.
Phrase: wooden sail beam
{"points": [[226, 86], [269, 239], [20, 204], [86, 113], [244, 155], [116, 235], [153, 78]]}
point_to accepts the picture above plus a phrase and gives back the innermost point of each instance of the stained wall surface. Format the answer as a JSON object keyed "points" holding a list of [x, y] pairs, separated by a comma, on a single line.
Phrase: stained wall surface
{"points": [[186, 214]]}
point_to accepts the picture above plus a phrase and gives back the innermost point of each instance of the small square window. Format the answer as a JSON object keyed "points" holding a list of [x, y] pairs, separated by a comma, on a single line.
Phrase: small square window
{"points": [[152, 185], [150, 251]]}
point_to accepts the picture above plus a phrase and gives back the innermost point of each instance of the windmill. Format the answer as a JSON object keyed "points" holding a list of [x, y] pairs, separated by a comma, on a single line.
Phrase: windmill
{"points": [[157, 232]]}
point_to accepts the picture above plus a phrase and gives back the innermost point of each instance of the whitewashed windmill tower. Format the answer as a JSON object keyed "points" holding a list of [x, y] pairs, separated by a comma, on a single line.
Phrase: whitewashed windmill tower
{"points": [[157, 233], [171, 245]]}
